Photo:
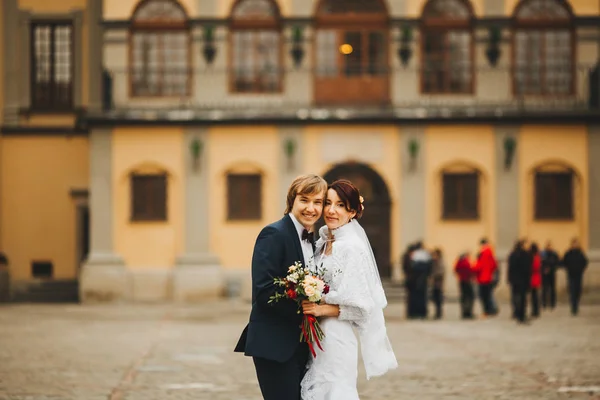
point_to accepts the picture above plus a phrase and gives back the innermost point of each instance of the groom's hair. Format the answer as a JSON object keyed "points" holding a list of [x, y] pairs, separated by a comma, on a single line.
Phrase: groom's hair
{"points": [[304, 185]]}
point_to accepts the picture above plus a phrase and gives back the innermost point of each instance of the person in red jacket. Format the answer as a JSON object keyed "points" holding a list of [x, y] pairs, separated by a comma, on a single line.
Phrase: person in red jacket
{"points": [[464, 273], [484, 269], [536, 279]]}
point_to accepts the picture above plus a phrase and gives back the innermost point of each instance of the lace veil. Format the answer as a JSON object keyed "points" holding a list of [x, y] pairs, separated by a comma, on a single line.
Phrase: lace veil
{"points": [[376, 349]]}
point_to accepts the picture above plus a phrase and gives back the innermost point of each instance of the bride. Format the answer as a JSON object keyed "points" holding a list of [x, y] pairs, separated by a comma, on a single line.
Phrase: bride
{"points": [[355, 302]]}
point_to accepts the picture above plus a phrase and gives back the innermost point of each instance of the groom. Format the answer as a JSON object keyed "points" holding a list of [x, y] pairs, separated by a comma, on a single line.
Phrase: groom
{"points": [[272, 338]]}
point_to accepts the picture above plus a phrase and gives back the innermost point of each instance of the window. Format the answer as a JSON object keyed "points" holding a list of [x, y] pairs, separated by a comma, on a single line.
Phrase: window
{"points": [[159, 53], [149, 197], [460, 196], [554, 195], [244, 195], [256, 56], [543, 48], [52, 65], [447, 47], [351, 52]]}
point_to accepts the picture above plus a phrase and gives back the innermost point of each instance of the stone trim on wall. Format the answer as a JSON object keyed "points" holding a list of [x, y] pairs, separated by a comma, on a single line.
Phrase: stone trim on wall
{"points": [[413, 211], [594, 187], [507, 190], [198, 273], [95, 52], [11, 67]]}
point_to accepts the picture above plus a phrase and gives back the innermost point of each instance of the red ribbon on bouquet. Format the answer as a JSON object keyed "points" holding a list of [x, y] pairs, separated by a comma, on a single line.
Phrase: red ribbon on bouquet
{"points": [[312, 331]]}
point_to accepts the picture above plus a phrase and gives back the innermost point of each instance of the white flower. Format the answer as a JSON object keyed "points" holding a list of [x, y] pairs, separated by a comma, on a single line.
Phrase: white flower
{"points": [[314, 298], [320, 285], [292, 268], [309, 290], [293, 277]]}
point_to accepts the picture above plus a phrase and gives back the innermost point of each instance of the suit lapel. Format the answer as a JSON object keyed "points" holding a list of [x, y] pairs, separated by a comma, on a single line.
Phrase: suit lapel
{"points": [[294, 237]]}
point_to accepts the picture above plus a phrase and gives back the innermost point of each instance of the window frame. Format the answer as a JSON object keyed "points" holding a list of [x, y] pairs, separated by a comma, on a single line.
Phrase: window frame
{"points": [[544, 26], [554, 215], [235, 216], [149, 214], [461, 214], [52, 104], [255, 26], [443, 27], [375, 89], [158, 28]]}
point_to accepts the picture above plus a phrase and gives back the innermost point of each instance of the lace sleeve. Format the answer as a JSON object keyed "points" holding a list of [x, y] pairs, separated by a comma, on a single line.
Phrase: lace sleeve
{"points": [[351, 294]]}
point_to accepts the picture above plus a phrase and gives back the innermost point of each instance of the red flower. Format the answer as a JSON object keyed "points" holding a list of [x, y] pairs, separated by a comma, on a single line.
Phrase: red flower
{"points": [[326, 289], [291, 293]]}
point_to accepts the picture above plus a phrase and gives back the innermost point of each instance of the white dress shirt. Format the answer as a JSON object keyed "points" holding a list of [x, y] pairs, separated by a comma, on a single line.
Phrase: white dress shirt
{"points": [[307, 250]]}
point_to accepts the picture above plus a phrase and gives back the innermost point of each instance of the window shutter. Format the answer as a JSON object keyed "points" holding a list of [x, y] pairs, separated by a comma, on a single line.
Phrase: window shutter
{"points": [[460, 196], [553, 195], [149, 198], [450, 196], [244, 197]]}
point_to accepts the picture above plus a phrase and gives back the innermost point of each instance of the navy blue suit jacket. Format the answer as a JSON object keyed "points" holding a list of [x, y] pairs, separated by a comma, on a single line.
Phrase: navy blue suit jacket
{"points": [[273, 332]]}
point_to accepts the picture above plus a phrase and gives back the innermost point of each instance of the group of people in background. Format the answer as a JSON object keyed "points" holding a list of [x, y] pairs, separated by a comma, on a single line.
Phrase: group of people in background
{"points": [[423, 269], [531, 274]]}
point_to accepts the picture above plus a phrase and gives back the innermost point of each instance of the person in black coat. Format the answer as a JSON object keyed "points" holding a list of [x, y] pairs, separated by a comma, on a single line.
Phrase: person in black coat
{"points": [[408, 279], [272, 337], [575, 262], [421, 265], [519, 279], [550, 262]]}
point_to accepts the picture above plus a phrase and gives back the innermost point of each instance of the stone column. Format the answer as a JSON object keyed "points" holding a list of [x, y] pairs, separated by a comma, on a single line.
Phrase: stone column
{"points": [[290, 162], [12, 73], [95, 51], [507, 190], [103, 276], [507, 197], [197, 274], [414, 179], [592, 276]]}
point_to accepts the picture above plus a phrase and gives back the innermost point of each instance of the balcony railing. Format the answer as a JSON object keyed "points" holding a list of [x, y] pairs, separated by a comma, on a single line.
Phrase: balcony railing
{"points": [[221, 94]]}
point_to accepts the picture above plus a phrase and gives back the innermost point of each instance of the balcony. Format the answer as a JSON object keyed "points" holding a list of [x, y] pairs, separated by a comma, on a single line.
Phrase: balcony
{"points": [[216, 95]]}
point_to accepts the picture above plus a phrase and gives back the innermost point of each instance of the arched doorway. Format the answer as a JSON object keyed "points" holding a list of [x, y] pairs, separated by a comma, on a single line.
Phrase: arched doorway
{"points": [[376, 218]]}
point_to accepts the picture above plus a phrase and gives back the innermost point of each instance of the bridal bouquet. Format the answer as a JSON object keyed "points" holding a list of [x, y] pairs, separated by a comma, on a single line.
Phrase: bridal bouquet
{"points": [[300, 284]]}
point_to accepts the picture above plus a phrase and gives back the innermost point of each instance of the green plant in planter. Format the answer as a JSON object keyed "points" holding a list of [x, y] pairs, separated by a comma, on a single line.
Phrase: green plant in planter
{"points": [[493, 50], [209, 33], [510, 145], [289, 146], [297, 52], [413, 151], [196, 147], [404, 51], [297, 35], [209, 50]]}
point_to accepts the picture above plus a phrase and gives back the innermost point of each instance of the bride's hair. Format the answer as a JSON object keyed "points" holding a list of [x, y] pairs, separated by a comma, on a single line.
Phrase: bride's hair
{"points": [[350, 195]]}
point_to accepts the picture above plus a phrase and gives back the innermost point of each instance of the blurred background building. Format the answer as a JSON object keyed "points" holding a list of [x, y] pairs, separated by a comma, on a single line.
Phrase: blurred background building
{"points": [[145, 143]]}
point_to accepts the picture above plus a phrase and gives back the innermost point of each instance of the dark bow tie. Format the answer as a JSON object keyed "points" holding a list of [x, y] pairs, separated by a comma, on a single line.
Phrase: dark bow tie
{"points": [[308, 236]]}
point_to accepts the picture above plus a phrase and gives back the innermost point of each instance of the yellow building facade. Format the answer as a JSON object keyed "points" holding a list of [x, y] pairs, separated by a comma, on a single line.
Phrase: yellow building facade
{"points": [[145, 143]]}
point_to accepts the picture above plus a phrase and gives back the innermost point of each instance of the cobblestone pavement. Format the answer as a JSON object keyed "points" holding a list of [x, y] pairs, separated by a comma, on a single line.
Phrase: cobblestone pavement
{"points": [[152, 352]]}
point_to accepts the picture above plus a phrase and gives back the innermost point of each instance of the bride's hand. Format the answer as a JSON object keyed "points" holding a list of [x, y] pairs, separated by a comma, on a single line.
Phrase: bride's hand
{"points": [[320, 310], [308, 307]]}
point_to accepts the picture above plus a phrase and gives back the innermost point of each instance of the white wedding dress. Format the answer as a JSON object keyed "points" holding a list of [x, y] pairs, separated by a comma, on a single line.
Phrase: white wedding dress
{"points": [[332, 374]]}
